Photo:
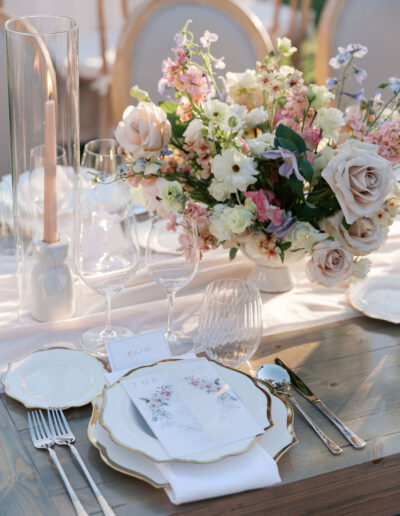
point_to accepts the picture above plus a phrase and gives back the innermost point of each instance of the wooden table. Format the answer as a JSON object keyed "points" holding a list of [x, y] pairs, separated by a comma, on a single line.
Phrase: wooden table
{"points": [[354, 366]]}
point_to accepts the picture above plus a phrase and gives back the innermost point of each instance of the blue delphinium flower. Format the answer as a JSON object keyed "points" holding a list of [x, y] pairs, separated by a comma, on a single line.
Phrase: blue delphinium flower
{"points": [[357, 96], [360, 74], [394, 84], [331, 82]]}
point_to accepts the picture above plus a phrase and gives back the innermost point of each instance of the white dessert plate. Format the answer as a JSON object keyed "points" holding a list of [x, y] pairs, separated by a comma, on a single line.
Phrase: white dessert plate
{"points": [[127, 428], [276, 441], [56, 377], [378, 298]]}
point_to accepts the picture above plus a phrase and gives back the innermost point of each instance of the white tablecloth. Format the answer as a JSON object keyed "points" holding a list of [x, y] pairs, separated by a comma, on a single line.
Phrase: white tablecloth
{"points": [[143, 307]]}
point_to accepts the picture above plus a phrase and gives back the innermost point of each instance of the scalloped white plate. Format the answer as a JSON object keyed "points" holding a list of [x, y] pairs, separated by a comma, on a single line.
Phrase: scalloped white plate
{"points": [[56, 377], [378, 298]]}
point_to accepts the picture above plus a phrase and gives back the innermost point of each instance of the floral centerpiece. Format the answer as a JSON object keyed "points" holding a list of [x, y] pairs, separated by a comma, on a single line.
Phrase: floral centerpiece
{"points": [[265, 163]]}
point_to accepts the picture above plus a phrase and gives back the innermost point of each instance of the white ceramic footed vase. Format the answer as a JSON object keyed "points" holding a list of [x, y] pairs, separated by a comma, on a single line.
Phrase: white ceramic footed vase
{"points": [[52, 293], [270, 274]]}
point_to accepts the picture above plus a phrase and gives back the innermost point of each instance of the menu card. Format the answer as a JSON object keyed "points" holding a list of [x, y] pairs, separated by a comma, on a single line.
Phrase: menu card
{"points": [[190, 408]]}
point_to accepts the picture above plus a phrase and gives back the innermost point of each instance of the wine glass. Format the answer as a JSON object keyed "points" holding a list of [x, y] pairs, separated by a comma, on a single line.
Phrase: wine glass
{"points": [[172, 259], [107, 250], [230, 325]]}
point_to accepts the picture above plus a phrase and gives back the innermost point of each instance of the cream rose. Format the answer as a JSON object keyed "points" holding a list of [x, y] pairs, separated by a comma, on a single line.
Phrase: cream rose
{"points": [[360, 179], [330, 263], [192, 133], [303, 235], [364, 235], [144, 130]]}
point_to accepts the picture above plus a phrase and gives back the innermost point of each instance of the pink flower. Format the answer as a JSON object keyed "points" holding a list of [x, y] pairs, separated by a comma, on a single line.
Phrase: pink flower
{"points": [[312, 136], [171, 224], [265, 210], [184, 110]]}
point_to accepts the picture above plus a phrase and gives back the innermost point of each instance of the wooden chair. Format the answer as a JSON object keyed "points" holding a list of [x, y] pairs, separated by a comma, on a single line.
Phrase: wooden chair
{"points": [[148, 37], [280, 20], [371, 23]]}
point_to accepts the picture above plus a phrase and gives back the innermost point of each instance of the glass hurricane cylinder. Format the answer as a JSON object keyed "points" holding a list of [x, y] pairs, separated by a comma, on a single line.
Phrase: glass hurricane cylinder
{"points": [[42, 65]]}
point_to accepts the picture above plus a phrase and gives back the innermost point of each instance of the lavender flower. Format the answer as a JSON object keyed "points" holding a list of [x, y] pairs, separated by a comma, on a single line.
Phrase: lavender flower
{"points": [[355, 49], [289, 162], [342, 59], [281, 229], [207, 38]]}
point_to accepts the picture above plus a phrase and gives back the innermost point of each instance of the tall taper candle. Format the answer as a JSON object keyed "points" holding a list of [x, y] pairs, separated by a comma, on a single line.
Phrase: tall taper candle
{"points": [[50, 232]]}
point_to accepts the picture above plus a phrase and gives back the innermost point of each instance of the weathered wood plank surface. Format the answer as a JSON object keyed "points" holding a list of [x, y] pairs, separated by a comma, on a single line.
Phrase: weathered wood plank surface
{"points": [[354, 366]]}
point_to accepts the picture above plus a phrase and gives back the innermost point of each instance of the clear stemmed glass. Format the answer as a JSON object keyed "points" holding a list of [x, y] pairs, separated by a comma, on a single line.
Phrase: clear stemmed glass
{"points": [[230, 325], [107, 250], [172, 259]]}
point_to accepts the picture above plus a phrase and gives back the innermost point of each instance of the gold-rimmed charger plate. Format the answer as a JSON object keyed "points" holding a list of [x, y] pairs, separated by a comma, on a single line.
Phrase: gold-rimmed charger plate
{"points": [[127, 428], [277, 440]]}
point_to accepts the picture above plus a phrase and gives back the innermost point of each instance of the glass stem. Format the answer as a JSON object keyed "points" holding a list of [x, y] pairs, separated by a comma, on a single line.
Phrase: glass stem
{"points": [[171, 299], [108, 314]]}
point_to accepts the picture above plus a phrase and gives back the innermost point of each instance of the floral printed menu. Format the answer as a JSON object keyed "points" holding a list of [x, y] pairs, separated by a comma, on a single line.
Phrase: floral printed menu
{"points": [[190, 408]]}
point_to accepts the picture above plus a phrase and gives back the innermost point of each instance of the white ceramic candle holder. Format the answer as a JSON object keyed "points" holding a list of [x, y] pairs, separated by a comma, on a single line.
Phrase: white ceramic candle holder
{"points": [[52, 293]]}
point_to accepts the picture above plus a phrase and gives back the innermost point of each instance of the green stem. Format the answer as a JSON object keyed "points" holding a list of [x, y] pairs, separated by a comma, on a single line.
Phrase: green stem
{"points": [[370, 127]]}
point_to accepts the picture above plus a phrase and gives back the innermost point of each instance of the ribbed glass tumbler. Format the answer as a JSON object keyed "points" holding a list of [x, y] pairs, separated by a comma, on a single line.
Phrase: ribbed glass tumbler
{"points": [[230, 325]]}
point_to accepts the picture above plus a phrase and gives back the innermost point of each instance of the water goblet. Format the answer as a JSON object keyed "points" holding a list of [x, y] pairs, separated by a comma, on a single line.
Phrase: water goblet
{"points": [[230, 324], [172, 259], [107, 250]]}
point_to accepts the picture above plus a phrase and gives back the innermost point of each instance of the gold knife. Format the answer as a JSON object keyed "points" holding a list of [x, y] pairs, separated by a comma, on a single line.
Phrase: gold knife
{"points": [[305, 391]]}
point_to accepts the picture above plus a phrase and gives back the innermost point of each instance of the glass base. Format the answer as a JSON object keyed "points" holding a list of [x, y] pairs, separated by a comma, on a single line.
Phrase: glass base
{"points": [[179, 343], [94, 340]]}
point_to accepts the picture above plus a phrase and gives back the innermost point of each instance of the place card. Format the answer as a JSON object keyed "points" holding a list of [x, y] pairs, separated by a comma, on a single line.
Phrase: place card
{"points": [[190, 408], [146, 348]]}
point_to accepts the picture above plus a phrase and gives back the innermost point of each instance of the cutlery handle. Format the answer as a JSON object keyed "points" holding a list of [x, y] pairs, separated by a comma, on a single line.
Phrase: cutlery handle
{"points": [[100, 498], [353, 438], [334, 448], [80, 511]]}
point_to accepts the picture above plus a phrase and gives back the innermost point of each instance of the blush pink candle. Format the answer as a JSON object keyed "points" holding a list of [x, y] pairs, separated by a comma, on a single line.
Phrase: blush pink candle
{"points": [[50, 232]]}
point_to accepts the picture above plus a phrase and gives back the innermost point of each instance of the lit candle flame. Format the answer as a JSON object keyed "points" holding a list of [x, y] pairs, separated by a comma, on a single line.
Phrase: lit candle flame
{"points": [[49, 85]]}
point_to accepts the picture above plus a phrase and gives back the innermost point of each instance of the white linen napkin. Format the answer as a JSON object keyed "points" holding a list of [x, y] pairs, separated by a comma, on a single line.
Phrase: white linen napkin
{"points": [[191, 482]]}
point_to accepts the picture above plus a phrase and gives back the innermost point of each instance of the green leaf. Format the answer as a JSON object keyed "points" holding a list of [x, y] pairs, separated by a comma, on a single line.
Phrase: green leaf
{"points": [[232, 252], [307, 170], [345, 224], [285, 144], [297, 186], [282, 131], [178, 128], [383, 85]]}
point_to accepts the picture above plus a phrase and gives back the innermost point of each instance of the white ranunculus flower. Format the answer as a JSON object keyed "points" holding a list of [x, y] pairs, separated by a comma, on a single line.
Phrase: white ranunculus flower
{"points": [[303, 235], [330, 120], [171, 192], [192, 132], [243, 88], [234, 169], [219, 190], [261, 143], [237, 219], [227, 222], [322, 159], [144, 130], [319, 96], [360, 179], [330, 263], [216, 110], [256, 117], [364, 235], [217, 225]]}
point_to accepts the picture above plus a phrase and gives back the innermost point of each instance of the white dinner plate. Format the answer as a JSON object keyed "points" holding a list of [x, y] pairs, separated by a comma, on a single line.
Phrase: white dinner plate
{"points": [[378, 298], [57, 377], [276, 441], [128, 429]]}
